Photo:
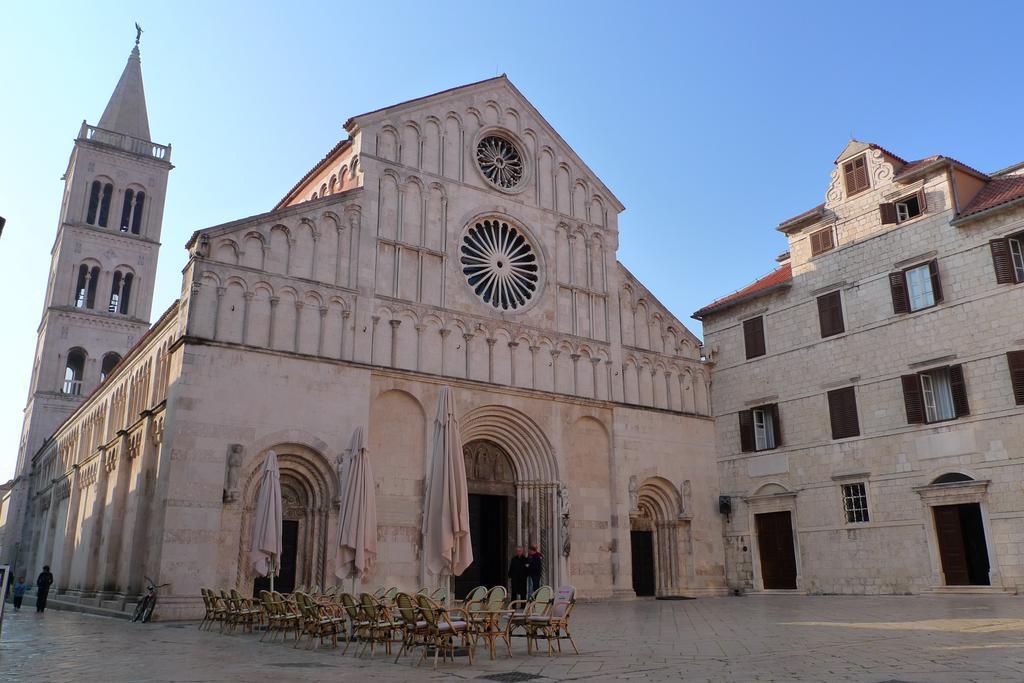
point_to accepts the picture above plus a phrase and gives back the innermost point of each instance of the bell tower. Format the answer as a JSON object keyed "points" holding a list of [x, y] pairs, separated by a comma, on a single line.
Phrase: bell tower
{"points": [[103, 262]]}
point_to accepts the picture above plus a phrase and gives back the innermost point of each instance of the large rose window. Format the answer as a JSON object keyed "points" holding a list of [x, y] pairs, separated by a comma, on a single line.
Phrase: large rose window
{"points": [[500, 265]]}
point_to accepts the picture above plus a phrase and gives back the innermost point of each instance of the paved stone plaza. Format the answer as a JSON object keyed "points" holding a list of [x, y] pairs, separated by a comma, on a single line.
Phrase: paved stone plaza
{"points": [[755, 638]]}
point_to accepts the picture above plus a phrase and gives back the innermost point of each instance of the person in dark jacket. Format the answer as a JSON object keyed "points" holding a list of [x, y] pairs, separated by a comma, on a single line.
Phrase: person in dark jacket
{"points": [[535, 568], [43, 584], [517, 568]]}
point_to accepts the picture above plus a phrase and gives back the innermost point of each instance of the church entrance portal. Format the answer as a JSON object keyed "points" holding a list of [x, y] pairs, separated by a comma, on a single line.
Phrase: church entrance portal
{"points": [[491, 481], [775, 544], [962, 547]]}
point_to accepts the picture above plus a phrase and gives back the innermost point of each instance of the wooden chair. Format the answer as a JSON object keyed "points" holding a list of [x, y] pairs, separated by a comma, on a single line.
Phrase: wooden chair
{"points": [[538, 605], [246, 611], [553, 626], [441, 630], [208, 604]]}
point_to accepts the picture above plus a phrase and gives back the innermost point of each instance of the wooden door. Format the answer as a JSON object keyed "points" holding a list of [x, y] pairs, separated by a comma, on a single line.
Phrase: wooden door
{"points": [[642, 545], [775, 546], [951, 545]]}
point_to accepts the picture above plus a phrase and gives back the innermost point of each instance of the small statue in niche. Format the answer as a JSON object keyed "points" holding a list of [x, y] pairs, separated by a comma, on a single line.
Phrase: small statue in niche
{"points": [[634, 494], [563, 502], [232, 472], [684, 489]]}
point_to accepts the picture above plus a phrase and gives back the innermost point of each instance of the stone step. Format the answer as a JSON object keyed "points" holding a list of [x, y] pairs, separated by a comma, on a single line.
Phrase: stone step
{"points": [[123, 610]]}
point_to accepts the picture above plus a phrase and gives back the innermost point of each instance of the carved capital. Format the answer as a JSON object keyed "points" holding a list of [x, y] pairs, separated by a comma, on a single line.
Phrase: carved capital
{"points": [[274, 301], [323, 311]]}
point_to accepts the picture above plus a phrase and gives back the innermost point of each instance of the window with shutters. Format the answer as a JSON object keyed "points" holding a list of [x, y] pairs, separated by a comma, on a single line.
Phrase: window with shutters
{"points": [[822, 241], [903, 209], [1015, 359], [855, 503], [1008, 259], [855, 174], [915, 288], [935, 395], [753, 337], [830, 314], [760, 428], [842, 410]]}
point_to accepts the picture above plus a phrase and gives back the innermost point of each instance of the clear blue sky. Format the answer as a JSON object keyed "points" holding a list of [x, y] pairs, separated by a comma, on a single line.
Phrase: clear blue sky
{"points": [[712, 122]]}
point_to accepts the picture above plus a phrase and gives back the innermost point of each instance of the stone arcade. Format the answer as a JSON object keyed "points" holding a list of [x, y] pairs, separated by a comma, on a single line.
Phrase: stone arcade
{"points": [[452, 239]]}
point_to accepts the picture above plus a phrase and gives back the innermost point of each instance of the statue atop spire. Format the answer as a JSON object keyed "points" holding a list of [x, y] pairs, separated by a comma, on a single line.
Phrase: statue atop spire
{"points": [[138, 33]]}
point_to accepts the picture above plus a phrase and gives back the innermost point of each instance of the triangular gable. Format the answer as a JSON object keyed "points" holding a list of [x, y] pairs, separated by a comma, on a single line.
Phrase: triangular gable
{"points": [[498, 82]]}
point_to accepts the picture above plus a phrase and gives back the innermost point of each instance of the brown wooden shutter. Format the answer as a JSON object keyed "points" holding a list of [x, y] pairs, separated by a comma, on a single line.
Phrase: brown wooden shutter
{"points": [[848, 177], [959, 390], [816, 243], [1002, 262], [888, 211], [898, 285], [860, 174], [922, 203], [933, 270], [912, 399], [830, 314], [753, 336], [842, 409], [1015, 359], [746, 430], [776, 425]]}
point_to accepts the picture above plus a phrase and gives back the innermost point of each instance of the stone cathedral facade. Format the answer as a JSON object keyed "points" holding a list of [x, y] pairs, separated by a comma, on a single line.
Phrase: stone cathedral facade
{"points": [[453, 239]]}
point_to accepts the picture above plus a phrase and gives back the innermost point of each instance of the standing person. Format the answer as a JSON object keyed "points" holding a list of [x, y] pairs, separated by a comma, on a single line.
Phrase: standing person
{"points": [[517, 569], [43, 584], [536, 567], [18, 592]]}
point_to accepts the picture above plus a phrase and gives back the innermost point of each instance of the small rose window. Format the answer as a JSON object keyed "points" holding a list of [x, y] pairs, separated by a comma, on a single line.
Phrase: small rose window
{"points": [[500, 161]]}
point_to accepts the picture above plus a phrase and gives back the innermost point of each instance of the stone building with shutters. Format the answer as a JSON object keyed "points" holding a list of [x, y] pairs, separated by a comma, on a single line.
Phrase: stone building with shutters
{"points": [[455, 239], [869, 392]]}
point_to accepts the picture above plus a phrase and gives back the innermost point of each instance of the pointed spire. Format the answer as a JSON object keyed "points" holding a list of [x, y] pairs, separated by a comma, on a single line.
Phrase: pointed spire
{"points": [[126, 110]]}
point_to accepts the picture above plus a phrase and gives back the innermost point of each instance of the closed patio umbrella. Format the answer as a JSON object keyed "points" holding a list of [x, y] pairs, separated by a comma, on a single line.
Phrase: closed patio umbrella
{"points": [[357, 543], [446, 535], [265, 551]]}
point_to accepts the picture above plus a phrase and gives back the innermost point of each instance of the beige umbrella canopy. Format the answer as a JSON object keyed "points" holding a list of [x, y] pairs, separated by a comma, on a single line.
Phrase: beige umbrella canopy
{"points": [[357, 543], [265, 550], [446, 539]]}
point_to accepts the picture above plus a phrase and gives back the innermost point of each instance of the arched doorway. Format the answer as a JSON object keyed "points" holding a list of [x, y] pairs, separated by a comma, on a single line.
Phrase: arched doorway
{"points": [[540, 504], [491, 480], [307, 492], [659, 538], [956, 501]]}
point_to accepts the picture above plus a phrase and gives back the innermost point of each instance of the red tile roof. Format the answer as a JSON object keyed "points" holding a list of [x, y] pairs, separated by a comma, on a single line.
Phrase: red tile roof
{"points": [[309, 174], [777, 278], [797, 220], [916, 165], [996, 192]]}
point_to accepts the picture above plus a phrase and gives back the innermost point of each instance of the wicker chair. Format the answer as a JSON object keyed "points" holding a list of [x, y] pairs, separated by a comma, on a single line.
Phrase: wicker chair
{"points": [[357, 625], [318, 621], [378, 625], [287, 616], [485, 619], [441, 630], [538, 605], [412, 627], [208, 604], [472, 599], [554, 625]]}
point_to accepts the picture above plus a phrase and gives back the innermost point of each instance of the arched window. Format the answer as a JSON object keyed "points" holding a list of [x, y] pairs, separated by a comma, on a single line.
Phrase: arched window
{"points": [[131, 211], [951, 478], [330, 186], [110, 361], [120, 290], [85, 289], [73, 372], [313, 197], [100, 195]]}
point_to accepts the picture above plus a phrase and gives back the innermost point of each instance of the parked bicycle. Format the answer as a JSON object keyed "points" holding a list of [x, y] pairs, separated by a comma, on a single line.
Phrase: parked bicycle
{"points": [[144, 610]]}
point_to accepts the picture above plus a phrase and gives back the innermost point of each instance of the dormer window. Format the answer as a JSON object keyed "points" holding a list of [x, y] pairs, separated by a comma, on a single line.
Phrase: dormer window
{"points": [[822, 241], [903, 209], [855, 174]]}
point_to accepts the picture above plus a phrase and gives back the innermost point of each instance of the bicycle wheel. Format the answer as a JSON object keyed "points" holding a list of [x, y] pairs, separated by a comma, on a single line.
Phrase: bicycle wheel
{"points": [[150, 606], [140, 608]]}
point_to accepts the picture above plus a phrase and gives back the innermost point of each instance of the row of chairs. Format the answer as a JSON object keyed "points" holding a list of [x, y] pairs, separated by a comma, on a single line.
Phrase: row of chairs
{"points": [[389, 616]]}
